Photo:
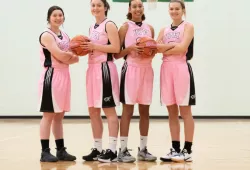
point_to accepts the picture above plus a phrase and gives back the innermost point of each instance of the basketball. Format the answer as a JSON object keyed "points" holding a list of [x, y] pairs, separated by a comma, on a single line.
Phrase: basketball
{"points": [[75, 45], [150, 46]]}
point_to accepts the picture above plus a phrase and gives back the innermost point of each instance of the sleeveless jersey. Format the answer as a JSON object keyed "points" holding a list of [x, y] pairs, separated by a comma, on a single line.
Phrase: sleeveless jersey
{"points": [[98, 34], [176, 35], [134, 32], [46, 58]]}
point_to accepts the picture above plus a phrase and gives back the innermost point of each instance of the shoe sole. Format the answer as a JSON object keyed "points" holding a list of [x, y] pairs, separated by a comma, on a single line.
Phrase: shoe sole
{"points": [[107, 161], [183, 160], [129, 161], [90, 160], [165, 160], [145, 159], [67, 160], [49, 161]]}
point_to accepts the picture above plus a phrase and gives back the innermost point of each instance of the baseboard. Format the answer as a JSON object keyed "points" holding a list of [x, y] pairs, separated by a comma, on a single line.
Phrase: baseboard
{"points": [[134, 117]]}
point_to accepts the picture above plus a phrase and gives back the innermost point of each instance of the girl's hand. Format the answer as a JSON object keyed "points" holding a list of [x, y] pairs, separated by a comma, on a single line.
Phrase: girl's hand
{"points": [[137, 49]]}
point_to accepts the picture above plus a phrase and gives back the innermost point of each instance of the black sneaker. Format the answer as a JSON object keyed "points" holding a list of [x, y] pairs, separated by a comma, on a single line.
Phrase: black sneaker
{"points": [[46, 156], [93, 156], [62, 155], [108, 157]]}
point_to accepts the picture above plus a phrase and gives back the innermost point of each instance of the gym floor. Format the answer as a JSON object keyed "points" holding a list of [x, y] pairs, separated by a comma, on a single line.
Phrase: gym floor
{"points": [[218, 145]]}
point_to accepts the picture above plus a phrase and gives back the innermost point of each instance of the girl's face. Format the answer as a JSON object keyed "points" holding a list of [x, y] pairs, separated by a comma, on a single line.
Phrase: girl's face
{"points": [[175, 11], [136, 9], [97, 8], [56, 18]]}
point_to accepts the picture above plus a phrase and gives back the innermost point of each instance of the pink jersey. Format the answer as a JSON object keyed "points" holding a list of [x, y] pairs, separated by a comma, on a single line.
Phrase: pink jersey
{"points": [[135, 31], [46, 58], [98, 35], [175, 35]]}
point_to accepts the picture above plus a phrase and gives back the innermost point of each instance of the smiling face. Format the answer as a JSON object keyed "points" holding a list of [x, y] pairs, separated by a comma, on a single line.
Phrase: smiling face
{"points": [[56, 18], [98, 8], [136, 8], [176, 10]]}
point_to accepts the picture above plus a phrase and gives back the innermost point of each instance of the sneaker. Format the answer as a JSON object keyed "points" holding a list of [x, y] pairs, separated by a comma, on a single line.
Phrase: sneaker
{"points": [[144, 155], [168, 157], [108, 157], [46, 156], [63, 155], [124, 156], [93, 156], [183, 156]]}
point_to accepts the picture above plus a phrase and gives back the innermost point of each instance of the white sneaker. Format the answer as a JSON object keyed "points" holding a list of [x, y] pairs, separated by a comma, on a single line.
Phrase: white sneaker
{"points": [[183, 156], [168, 157]]}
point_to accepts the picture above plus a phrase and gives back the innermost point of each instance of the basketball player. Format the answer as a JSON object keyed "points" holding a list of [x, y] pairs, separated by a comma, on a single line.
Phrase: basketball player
{"points": [[177, 81], [136, 81], [102, 81], [54, 85]]}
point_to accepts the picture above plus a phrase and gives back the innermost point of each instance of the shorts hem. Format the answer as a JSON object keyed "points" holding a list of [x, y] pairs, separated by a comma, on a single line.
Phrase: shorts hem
{"points": [[127, 103], [170, 104], [109, 106], [148, 104], [100, 107]]}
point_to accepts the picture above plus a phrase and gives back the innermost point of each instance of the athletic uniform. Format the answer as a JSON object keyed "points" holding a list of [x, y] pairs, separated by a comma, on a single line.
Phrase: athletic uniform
{"points": [[136, 85], [177, 81], [137, 74], [102, 78], [54, 84], [102, 88]]}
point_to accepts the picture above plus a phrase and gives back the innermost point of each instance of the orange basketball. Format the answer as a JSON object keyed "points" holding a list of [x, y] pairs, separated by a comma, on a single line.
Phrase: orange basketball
{"points": [[150, 46], [75, 45]]}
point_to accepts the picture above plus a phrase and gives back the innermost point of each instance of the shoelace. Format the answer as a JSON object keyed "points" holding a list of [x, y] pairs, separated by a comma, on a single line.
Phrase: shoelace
{"points": [[102, 152], [171, 151], [64, 151], [183, 152], [93, 149], [146, 152], [126, 152], [107, 151]]}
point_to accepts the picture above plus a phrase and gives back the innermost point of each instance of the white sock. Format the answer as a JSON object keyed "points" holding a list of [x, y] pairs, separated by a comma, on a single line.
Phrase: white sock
{"points": [[124, 142], [143, 142], [98, 144], [112, 143]]}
